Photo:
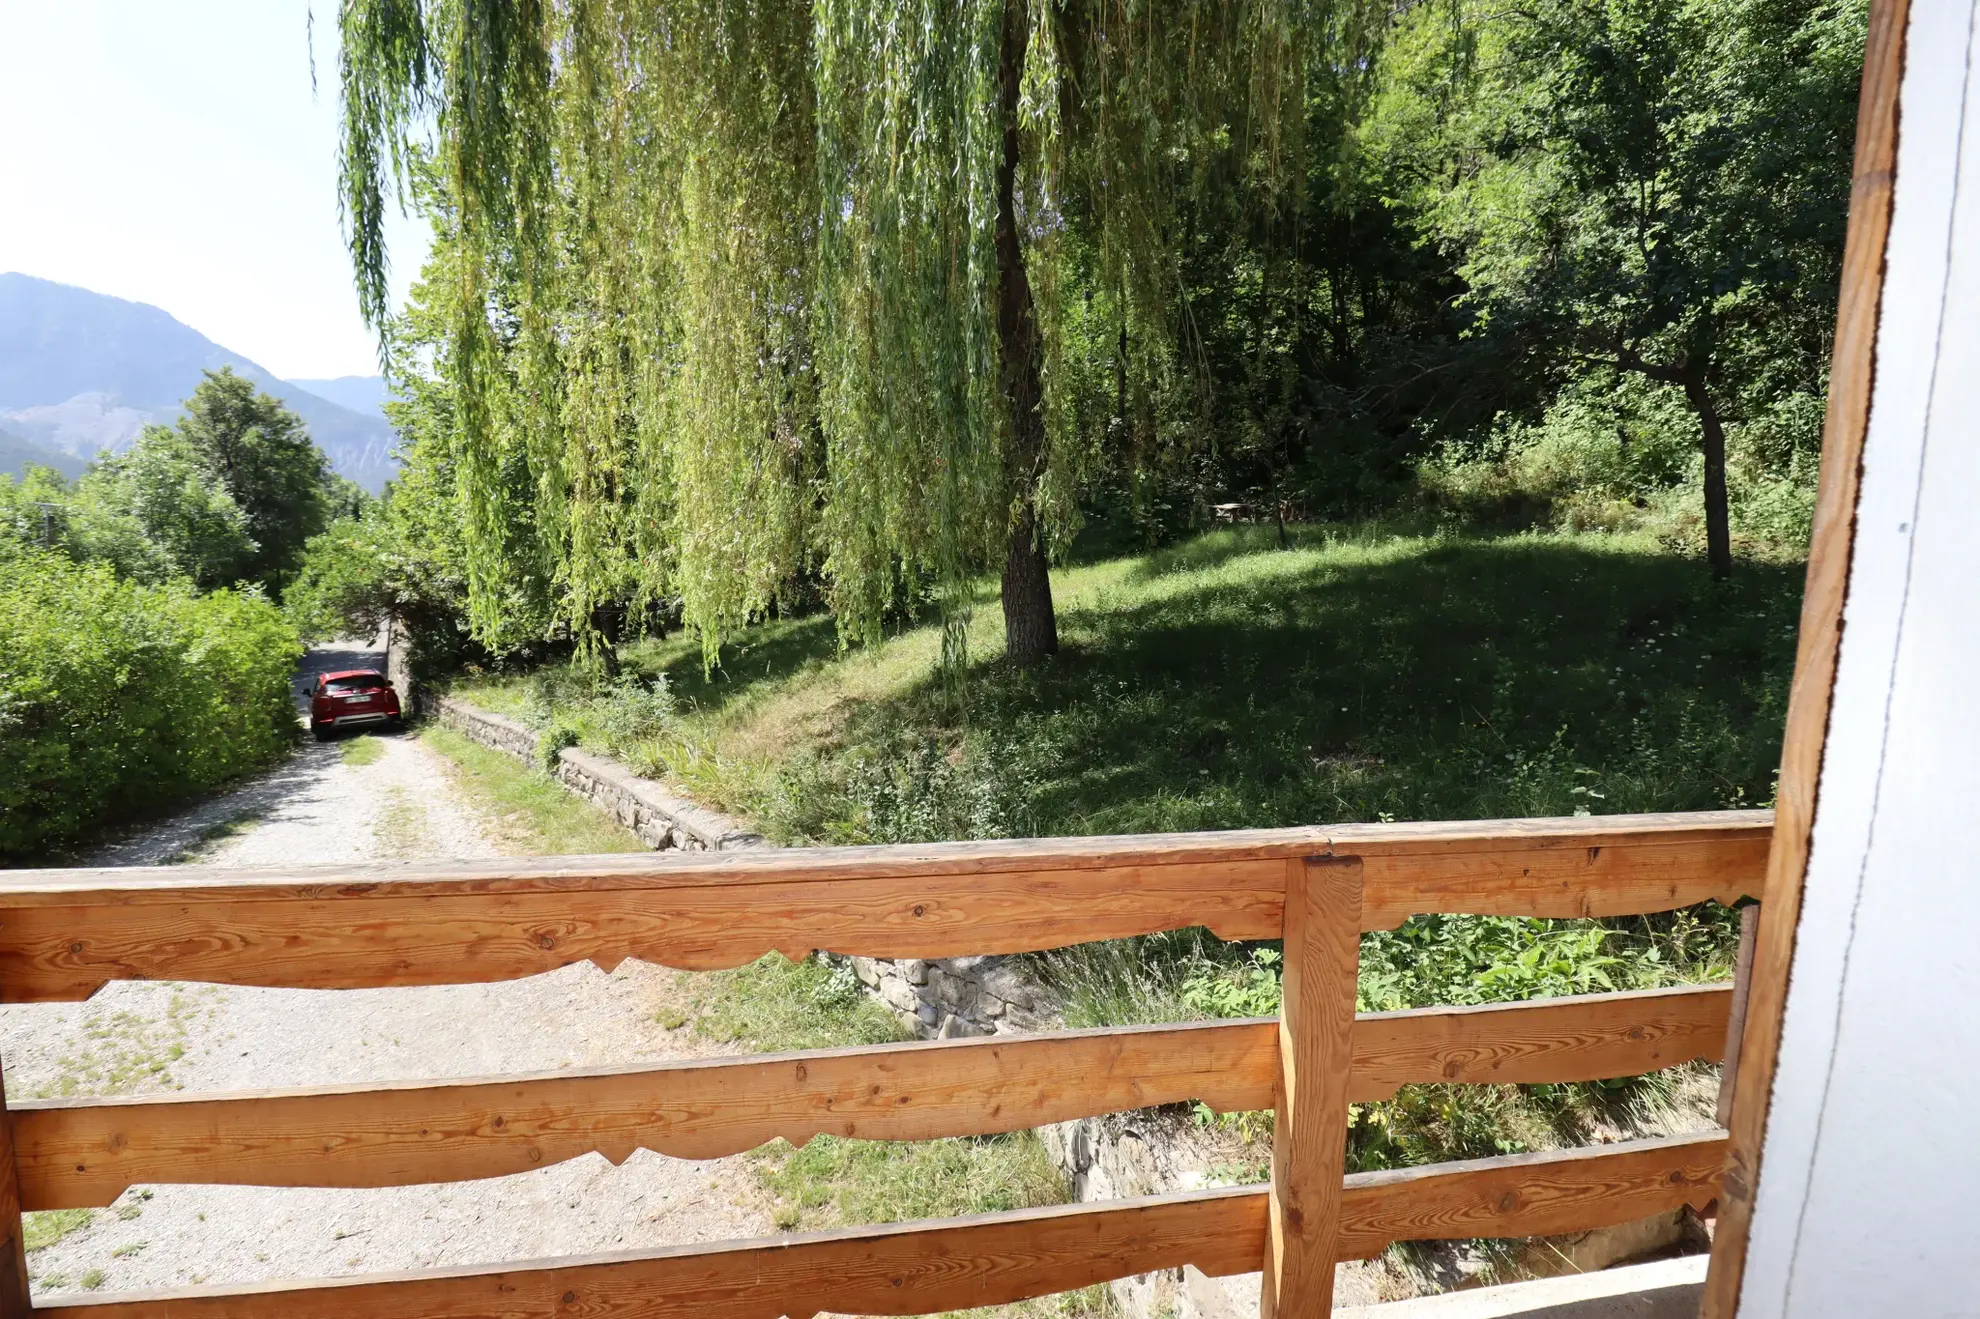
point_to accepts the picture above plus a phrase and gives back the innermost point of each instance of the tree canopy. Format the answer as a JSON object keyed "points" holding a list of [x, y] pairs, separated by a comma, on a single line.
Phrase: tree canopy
{"points": [[158, 511], [766, 291], [1647, 186], [733, 308], [263, 456]]}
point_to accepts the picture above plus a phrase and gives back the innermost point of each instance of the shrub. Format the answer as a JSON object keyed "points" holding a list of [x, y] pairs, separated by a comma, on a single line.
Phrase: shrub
{"points": [[118, 698]]}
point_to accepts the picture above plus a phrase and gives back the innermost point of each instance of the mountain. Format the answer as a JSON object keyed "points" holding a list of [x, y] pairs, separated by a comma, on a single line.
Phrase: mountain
{"points": [[365, 395], [16, 453], [82, 372]]}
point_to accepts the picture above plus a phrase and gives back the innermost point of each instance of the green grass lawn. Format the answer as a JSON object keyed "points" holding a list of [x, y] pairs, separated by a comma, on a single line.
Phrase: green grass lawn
{"points": [[1224, 682], [529, 811], [1362, 673]]}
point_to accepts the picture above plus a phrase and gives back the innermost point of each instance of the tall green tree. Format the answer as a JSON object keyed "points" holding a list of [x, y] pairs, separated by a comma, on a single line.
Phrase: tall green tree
{"points": [[158, 511], [760, 289], [1657, 187], [263, 456]]}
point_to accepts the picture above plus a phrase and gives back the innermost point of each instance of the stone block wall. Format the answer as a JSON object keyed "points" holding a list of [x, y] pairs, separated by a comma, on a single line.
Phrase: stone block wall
{"points": [[957, 997], [657, 817]]}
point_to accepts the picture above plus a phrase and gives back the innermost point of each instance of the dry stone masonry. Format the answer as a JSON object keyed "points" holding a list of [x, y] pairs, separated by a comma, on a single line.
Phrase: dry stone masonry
{"points": [[655, 816], [958, 997]]}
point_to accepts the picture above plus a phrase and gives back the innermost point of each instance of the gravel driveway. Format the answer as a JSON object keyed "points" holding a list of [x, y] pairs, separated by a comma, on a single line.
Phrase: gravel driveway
{"points": [[142, 1037]]}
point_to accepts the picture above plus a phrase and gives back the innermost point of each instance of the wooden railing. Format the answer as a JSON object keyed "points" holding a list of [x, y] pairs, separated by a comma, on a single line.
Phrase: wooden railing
{"points": [[64, 933]]}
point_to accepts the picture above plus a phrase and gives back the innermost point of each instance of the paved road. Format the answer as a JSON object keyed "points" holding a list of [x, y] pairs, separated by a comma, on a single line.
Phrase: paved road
{"points": [[136, 1038]]}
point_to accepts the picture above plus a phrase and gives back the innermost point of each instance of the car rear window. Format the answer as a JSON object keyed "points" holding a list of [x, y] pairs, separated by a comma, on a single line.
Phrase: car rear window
{"points": [[356, 682]]}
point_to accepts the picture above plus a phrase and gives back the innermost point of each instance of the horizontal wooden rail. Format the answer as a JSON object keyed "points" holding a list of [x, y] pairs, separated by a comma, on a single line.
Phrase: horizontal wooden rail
{"points": [[84, 1153], [995, 1259], [65, 933], [1530, 1195]]}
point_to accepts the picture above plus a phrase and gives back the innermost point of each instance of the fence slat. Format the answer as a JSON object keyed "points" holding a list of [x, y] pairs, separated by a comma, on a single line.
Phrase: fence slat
{"points": [[84, 1153], [1530, 1195], [65, 933], [1316, 1040], [927, 1267], [912, 1268], [13, 1245], [1587, 1037]]}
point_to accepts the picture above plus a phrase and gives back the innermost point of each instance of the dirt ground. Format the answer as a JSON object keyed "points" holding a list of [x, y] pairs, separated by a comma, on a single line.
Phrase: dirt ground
{"points": [[137, 1038]]}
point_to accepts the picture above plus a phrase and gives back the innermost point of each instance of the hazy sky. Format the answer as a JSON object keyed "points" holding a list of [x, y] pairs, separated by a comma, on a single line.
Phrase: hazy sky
{"points": [[172, 152]]}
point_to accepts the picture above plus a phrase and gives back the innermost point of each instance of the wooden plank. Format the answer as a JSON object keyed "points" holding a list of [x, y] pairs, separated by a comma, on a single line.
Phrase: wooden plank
{"points": [[1558, 875], [84, 1153], [1742, 989], [671, 870], [360, 941], [1316, 1042], [1587, 1037], [87, 1153], [1852, 374], [1530, 1195], [914, 1268], [924, 1267], [63, 934], [14, 1301]]}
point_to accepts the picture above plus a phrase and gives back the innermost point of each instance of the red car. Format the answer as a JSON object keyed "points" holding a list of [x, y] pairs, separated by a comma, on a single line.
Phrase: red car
{"points": [[351, 699]]}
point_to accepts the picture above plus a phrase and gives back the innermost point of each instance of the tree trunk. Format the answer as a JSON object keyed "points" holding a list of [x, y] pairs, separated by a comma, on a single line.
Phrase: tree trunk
{"points": [[1718, 521], [1031, 629]]}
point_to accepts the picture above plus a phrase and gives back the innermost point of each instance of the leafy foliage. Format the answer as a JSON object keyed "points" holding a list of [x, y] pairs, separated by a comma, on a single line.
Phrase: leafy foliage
{"points": [[260, 452], [1655, 187], [158, 511], [118, 698], [728, 295], [230, 494]]}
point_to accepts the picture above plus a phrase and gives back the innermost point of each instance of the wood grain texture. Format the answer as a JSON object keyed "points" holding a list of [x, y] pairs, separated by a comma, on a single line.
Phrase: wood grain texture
{"points": [[170, 885], [360, 941], [65, 933], [14, 1301], [1742, 991], [1559, 875], [925, 1267], [84, 1153], [1587, 1037], [1852, 377], [1530, 1195], [913, 1268], [1316, 1043]]}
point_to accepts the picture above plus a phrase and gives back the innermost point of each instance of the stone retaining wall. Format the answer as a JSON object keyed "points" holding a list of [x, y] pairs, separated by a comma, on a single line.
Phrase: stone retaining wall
{"points": [[657, 817], [956, 997]]}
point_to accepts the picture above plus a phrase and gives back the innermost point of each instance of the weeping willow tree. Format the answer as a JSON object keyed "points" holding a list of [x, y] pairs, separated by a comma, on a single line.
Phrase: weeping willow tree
{"points": [[758, 291]]}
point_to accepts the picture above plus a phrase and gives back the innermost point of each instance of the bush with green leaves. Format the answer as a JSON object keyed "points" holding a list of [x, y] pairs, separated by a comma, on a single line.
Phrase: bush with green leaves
{"points": [[626, 717], [1619, 455], [119, 698]]}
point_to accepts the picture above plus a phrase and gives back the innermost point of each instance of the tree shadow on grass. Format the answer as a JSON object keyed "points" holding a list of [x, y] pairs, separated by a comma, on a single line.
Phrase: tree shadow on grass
{"points": [[1440, 679], [766, 655]]}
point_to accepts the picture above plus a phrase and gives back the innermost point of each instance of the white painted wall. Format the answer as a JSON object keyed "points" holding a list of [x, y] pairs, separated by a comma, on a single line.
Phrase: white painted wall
{"points": [[1869, 1195]]}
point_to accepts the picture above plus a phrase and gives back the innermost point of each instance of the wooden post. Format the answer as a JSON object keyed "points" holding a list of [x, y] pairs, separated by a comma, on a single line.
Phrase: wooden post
{"points": [[1749, 927], [1316, 1029], [13, 1250]]}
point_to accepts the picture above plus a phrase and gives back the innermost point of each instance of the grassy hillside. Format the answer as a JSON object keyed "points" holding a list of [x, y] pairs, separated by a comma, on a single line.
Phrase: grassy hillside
{"points": [[1362, 673]]}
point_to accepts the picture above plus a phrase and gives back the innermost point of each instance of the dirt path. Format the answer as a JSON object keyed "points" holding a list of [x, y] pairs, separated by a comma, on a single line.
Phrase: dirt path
{"points": [[135, 1038]]}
